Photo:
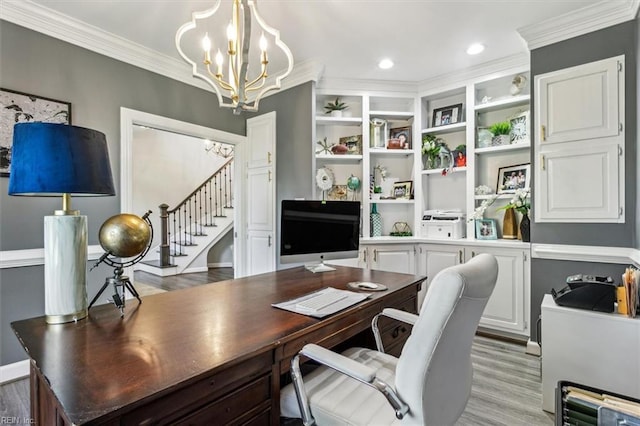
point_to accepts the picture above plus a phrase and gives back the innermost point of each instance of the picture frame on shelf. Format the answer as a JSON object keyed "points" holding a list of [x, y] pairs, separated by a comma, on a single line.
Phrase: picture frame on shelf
{"points": [[19, 107], [486, 229], [403, 137], [353, 144], [519, 133], [402, 190], [513, 177], [447, 115]]}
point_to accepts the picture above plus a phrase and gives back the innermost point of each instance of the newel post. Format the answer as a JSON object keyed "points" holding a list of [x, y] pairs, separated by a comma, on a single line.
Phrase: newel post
{"points": [[164, 226]]}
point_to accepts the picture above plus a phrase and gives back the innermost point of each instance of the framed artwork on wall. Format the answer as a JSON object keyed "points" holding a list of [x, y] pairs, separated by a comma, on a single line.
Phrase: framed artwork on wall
{"points": [[18, 107]]}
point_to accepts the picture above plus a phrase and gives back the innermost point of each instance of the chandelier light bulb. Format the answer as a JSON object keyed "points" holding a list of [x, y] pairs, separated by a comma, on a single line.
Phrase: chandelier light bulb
{"points": [[231, 33], [206, 42], [263, 43]]}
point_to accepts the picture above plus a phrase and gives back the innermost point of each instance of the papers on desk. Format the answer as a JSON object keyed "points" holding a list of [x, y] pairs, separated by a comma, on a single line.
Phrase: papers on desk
{"points": [[324, 302]]}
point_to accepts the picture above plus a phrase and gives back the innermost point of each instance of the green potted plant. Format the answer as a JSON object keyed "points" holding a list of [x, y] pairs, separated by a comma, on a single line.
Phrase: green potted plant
{"points": [[335, 108], [500, 132]]}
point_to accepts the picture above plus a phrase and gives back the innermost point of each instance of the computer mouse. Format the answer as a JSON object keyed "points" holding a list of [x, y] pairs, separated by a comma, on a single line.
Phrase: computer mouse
{"points": [[370, 286]]}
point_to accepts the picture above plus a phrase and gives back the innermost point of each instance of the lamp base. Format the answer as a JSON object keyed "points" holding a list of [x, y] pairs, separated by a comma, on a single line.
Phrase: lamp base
{"points": [[65, 268]]}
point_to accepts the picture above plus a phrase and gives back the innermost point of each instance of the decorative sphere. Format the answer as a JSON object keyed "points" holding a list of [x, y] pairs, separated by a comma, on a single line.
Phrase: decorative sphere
{"points": [[353, 183], [125, 235]]}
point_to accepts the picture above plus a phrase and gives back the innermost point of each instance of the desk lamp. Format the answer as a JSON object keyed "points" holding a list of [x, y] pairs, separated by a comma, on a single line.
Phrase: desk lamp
{"points": [[59, 160]]}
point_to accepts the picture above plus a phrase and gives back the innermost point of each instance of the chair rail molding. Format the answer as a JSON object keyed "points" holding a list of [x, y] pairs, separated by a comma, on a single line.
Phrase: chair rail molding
{"points": [[35, 257], [15, 371], [588, 19], [617, 255]]}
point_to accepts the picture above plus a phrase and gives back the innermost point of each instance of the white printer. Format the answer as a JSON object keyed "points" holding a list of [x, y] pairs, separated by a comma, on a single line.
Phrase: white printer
{"points": [[443, 224]]}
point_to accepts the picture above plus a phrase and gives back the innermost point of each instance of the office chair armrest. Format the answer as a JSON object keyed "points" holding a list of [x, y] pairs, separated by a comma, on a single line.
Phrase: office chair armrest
{"points": [[392, 313], [339, 363], [344, 365]]}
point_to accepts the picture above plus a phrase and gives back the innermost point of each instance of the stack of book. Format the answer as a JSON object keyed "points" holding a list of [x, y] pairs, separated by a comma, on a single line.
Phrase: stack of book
{"points": [[627, 294], [581, 406]]}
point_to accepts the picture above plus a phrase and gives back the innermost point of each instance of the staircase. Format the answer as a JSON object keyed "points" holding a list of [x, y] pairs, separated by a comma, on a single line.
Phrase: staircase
{"points": [[189, 230]]}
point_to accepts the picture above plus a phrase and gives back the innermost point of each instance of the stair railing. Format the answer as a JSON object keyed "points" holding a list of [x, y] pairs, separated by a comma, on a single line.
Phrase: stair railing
{"points": [[198, 210]]}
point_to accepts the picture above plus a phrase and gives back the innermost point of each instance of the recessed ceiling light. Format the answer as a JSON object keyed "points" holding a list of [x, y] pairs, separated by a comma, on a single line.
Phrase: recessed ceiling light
{"points": [[385, 64], [475, 48]]}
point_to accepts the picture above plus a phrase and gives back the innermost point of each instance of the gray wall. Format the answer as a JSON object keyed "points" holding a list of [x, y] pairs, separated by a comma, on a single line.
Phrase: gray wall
{"points": [[621, 39], [97, 86]]}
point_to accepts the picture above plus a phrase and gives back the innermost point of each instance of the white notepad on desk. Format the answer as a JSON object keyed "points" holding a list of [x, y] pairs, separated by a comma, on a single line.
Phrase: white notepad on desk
{"points": [[321, 303]]}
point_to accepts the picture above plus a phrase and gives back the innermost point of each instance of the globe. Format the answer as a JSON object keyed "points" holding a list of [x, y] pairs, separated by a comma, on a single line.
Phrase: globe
{"points": [[125, 235]]}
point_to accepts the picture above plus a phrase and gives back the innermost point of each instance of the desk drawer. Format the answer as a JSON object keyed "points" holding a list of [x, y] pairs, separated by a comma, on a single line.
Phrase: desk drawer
{"points": [[189, 398], [238, 408]]}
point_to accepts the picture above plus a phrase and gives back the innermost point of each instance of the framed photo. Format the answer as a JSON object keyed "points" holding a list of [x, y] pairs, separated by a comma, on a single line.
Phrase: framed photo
{"points": [[448, 115], [402, 135], [402, 190], [519, 128], [353, 143], [513, 177], [17, 107], [486, 229]]}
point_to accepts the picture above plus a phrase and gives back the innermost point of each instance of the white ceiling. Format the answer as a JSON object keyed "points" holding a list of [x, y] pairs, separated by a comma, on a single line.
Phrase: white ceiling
{"points": [[425, 38]]}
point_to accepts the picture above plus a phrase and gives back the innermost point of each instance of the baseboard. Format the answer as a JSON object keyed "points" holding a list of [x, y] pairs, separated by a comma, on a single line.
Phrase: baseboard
{"points": [[220, 265], [533, 348], [195, 269], [12, 372]]}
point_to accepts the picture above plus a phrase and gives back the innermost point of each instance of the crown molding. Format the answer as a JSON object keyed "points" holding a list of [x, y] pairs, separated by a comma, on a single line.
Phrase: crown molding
{"points": [[62, 27], [485, 71], [368, 85], [588, 19]]}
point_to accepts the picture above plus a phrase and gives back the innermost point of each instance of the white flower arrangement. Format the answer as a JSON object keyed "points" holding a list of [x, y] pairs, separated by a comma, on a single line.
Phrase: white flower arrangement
{"points": [[478, 213]]}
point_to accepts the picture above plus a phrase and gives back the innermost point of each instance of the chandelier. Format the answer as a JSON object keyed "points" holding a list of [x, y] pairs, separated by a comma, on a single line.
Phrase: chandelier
{"points": [[244, 92], [217, 148]]}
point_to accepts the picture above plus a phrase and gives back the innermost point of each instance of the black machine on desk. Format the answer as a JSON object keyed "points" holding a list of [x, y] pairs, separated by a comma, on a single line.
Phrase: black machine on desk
{"points": [[591, 292]]}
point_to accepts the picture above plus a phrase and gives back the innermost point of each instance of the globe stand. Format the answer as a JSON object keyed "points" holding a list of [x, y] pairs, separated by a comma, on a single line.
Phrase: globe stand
{"points": [[120, 284], [132, 231]]}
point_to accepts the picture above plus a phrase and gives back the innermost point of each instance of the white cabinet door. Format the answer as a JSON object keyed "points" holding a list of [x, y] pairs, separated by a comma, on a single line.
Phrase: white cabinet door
{"points": [[261, 252], [507, 308], [260, 184], [434, 258], [393, 258], [359, 262], [579, 183], [579, 144], [580, 102], [262, 130]]}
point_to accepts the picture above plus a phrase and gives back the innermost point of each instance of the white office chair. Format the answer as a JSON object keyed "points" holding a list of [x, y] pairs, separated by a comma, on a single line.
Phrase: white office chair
{"points": [[431, 381]]}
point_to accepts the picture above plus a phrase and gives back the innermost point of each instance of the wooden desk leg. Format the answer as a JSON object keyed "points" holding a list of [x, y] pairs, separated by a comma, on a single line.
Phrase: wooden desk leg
{"points": [[275, 393]]}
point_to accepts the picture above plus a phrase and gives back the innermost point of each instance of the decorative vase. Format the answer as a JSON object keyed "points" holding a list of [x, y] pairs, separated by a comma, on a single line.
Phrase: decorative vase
{"points": [[509, 226], [431, 163], [336, 113], [525, 228], [376, 222]]}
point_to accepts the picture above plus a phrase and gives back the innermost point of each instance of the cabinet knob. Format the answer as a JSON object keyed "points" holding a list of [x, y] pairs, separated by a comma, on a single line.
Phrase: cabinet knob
{"points": [[542, 165], [543, 133], [268, 157]]}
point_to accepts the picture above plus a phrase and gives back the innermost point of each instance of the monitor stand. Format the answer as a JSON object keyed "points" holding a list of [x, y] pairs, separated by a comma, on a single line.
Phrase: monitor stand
{"points": [[318, 267]]}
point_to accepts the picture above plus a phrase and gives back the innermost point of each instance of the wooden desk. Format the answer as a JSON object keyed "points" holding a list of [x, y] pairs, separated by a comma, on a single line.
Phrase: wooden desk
{"points": [[203, 355]]}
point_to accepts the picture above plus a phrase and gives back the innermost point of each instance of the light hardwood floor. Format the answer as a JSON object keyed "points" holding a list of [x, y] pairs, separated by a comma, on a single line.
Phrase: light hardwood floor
{"points": [[506, 381]]}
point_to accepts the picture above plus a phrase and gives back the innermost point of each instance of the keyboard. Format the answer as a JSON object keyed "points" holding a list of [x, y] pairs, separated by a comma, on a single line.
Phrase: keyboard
{"points": [[321, 301]]}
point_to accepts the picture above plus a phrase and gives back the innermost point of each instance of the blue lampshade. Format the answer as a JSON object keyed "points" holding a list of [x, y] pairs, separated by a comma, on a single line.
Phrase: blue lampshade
{"points": [[51, 159]]}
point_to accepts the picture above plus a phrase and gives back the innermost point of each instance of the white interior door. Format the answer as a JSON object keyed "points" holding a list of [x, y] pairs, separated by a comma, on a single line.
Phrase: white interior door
{"points": [[261, 194]]}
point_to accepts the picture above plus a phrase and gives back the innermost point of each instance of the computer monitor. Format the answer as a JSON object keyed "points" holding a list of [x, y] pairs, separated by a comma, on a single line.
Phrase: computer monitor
{"points": [[313, 231]]}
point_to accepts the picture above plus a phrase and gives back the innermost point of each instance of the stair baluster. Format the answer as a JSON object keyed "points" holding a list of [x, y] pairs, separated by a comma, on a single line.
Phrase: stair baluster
{"points": [[199, 209]]}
